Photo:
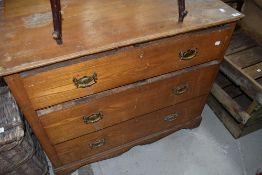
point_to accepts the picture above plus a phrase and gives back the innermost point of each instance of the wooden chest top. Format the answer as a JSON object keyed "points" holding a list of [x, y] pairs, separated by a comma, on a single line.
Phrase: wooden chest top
{"points": [[95, 26]]}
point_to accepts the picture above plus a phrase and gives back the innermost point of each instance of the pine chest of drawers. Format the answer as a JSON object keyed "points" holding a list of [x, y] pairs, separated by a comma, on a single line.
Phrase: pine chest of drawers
{"points": [[127, 74]]}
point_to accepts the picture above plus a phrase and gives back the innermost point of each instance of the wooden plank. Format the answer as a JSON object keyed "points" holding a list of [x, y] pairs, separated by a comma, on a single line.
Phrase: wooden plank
{"points": [[254, 71], [236, 129], [256, 126], [240, 41], [235, 110], [256, 114], [17, 88], [250, 86], [95, 26], [246, 58], [252, 107], [233, 127]]}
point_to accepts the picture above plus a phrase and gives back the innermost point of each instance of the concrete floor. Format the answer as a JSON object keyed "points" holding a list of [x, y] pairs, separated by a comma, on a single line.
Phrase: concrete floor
{"points": [[206, 150]]}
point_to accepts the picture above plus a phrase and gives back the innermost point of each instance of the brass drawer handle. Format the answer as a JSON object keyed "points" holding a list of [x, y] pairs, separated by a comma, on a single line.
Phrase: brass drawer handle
{"points": [[85, 81], [179, 90], [93, 117], [97, 143], [171, 117], [189, 54]]}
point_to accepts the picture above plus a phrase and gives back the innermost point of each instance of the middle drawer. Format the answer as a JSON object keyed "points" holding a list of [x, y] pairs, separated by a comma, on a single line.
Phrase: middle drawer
{"points": [[108, 108]]}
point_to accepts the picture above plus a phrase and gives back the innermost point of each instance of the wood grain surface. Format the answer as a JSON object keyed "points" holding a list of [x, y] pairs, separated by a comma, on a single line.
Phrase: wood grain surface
{"points": [[68, 168], [68, 123], [128, 131], [126, 66], [94, 26]]}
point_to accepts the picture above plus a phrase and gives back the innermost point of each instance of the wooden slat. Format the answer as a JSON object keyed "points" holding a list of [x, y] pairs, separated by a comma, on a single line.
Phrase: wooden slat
{"points": [[257, 115], [254, 71], [254, 127], [255, 111], [246, 58], [235, 110], [250, 86], [233, 127], [93, 26], [252, 107], [236, 129], [240, 41], [236, 94]]}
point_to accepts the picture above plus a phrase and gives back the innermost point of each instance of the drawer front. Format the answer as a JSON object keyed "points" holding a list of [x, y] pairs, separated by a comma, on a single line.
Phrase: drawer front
{"points": [[135, 100], [128, 131], [49, 87]]}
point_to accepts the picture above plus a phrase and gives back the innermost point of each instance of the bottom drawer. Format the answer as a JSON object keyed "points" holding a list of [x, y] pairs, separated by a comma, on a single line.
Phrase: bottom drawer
{"points": [[128, 131]]}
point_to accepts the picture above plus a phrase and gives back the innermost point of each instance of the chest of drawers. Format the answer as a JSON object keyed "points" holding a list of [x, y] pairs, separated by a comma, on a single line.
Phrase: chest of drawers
{"points": [[131, 76]]}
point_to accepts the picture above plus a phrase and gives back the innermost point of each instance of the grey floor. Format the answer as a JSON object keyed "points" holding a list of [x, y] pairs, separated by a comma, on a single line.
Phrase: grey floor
{"points": [[206, 150]]}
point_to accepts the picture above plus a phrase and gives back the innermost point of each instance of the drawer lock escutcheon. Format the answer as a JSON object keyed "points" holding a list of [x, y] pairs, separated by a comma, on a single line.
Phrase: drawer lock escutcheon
{"points": [[97, 143], [93, 117], [85, 81], [171, 117], [179, 90], [189, 54]]}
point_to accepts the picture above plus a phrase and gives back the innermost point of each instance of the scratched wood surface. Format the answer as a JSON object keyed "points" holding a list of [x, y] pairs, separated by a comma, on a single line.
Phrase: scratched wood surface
{"points": [[93, 26]]}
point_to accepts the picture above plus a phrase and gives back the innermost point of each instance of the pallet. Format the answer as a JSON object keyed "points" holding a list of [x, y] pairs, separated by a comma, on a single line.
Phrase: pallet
{"points": [[234, 108], [243, 65], [236, 96]]}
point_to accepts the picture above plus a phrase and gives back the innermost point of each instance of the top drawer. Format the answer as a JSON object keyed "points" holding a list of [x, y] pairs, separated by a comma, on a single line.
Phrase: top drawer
{"points": [[51, 86]]}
